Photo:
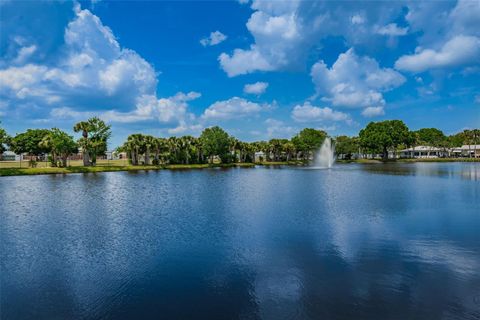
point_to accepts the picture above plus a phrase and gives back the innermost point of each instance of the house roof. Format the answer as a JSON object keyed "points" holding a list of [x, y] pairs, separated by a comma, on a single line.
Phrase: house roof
{"points": [[9, 153], [422, 148], [466, 147], [470, 146]]}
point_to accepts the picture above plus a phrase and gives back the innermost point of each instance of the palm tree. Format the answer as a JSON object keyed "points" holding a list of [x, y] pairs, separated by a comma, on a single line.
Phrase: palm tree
{"points": [[289, 148], [235, 145], [149, 143], [158, 146], [173, 146], [48, 143], [198, 149], [85, 127], [184, 144], [95, 133], [135, 144]]}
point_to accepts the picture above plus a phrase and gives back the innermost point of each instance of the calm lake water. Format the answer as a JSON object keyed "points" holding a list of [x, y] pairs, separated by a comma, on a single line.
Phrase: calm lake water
{"points": [[397, 241]]}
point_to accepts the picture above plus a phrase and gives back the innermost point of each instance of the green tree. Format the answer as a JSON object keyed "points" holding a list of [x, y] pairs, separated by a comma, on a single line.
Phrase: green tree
{"points": [[289, 148], [59, 144], [30, 142], [216, 142], [309, 140], [346, 146], [135, 147], [4, 140], [160, 148], [385, 135], [95, 135], [430, 137]]}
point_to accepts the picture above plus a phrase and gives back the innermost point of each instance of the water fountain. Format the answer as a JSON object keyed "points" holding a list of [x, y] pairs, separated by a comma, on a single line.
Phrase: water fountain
{"points": [[325, 157]]}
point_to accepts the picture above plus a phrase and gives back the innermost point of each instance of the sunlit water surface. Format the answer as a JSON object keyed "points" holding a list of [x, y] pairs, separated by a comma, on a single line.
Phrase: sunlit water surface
{"points": [[397, 241]]}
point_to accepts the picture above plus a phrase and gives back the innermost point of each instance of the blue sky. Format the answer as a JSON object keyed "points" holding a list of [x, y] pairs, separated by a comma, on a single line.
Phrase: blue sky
{"points": [[259, 69]]}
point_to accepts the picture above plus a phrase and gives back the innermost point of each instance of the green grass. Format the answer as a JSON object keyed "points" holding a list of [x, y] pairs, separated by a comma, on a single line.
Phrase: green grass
{"points": [[105, 168], [71, 163]]}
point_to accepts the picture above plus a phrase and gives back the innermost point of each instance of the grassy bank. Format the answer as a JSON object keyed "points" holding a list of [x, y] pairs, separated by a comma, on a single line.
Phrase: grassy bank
{"points": [[111, 168], [67, 170]]}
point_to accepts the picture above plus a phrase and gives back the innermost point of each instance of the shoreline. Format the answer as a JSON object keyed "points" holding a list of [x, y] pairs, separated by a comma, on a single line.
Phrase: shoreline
{"points": [[8, 172]]}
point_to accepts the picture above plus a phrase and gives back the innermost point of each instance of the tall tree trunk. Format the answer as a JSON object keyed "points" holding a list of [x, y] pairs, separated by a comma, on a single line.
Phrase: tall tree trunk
{"points": [[147, 156], [94, 158], [385, 153], [134, 157], [86, 159]]}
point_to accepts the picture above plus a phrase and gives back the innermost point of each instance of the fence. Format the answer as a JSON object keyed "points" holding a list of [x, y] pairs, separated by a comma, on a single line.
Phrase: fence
{"points": [[70, 162]]}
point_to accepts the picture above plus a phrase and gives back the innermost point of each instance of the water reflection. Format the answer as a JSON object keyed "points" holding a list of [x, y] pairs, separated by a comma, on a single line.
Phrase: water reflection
{"points": [[467, 170], [355, 241]]}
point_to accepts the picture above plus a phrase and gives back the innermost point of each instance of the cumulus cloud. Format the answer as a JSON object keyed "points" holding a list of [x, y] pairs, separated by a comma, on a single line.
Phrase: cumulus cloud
{"points": [[391, 29], [24, 53], [233, 108], [172, 110], [277, 33], [309, 113], [449, 35], [373, 112], [279, 129], [284, 31], [255, 88], [93, 75], [213, 39], [93, 68], [354, 81], [460, 50]]}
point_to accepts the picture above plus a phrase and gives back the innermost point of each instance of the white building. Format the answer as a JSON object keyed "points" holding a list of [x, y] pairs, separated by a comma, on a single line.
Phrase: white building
{"points": [[424, 152], [467, 150], [260, 156], [10, 156]]}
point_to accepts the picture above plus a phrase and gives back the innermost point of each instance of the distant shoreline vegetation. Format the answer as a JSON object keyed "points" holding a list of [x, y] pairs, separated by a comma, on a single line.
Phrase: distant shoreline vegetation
{"points": [[385, 140]]}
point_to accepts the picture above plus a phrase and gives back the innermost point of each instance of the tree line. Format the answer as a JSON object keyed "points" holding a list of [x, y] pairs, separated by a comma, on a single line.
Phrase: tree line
{"points": [[215, 143]]}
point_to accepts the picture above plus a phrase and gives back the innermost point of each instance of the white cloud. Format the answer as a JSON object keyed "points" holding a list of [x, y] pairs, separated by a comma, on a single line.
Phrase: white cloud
{"points": [[354, 81], [373, 112], [460, 50], [449, 35], [391, 29], [24, 53], [170, 110], [244, 61], [255, 88], [477, 99], [93, 68], [309, 113], [285, 31], [93, 75], [278, 129], [277, 34], [357, 19], [439, 22], [233, 108], [17, 79], [213, 39]]}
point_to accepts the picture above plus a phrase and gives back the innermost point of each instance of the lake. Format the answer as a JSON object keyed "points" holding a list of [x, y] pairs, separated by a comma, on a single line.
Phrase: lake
{"points": [[378, 241]]}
